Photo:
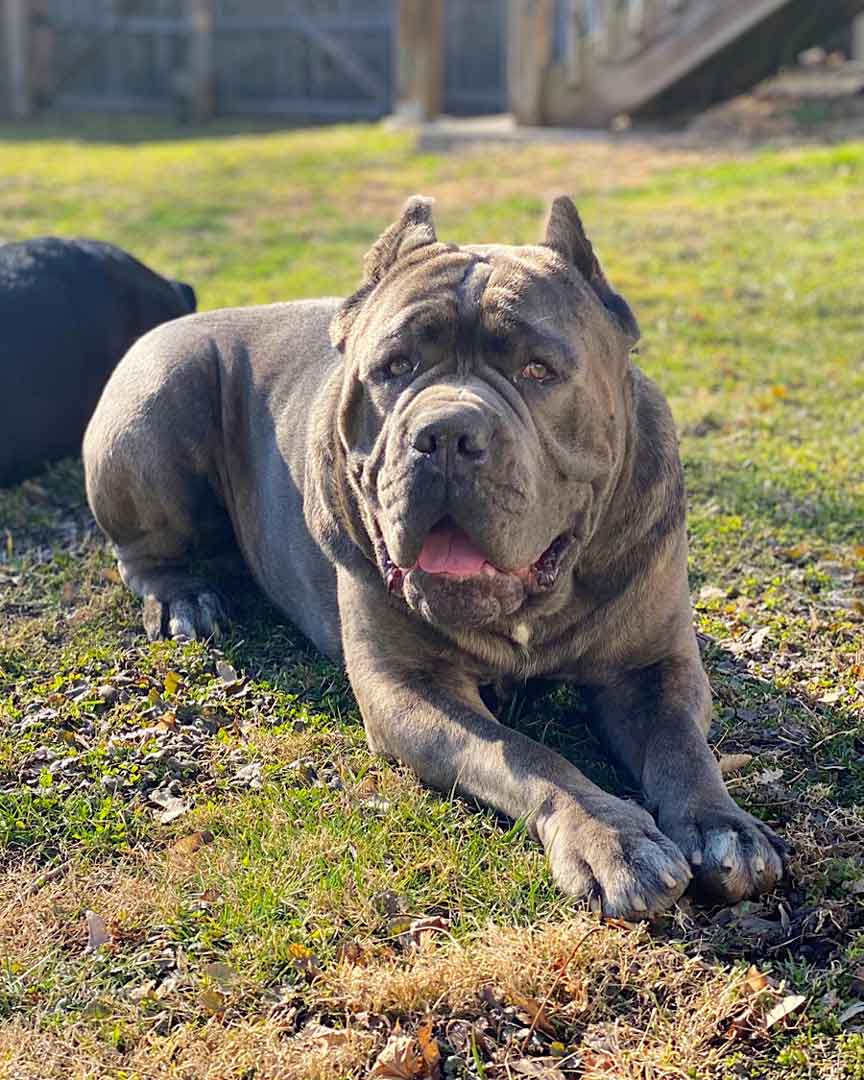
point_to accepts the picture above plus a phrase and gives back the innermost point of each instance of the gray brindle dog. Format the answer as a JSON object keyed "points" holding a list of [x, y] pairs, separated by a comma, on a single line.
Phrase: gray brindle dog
{"points": [[454, 478]]}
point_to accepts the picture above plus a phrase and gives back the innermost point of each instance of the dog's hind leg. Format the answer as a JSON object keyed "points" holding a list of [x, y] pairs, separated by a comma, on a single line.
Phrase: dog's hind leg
{"points": [[163, 548], [151, 456]]}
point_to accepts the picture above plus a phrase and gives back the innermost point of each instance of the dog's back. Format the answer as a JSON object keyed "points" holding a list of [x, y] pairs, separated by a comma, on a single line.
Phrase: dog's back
{"points": [[69, 310]]}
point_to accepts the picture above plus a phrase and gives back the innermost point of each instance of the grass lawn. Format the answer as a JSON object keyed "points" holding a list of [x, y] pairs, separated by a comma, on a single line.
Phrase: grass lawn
{"points": [[212, 816]]}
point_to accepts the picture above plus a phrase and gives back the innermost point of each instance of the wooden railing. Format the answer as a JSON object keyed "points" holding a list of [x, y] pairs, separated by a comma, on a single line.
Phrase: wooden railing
{"points": [[614, 31], [583, 61]]}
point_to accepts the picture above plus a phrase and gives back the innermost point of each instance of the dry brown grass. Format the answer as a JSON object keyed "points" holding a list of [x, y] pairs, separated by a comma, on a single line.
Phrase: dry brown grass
{"points": [[210, 1052], [38, 916], [609, 989]]}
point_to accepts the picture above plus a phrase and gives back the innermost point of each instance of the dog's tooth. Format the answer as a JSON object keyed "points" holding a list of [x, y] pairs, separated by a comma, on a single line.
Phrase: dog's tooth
{"points": [[668, 880], [639, 903]]}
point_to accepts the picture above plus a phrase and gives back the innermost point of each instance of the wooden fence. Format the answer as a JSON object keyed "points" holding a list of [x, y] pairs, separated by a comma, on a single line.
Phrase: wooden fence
{"points": [[307, 59]]}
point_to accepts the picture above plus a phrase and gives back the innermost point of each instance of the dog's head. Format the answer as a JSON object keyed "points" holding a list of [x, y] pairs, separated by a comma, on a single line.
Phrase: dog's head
{"points": [[480, 426]]}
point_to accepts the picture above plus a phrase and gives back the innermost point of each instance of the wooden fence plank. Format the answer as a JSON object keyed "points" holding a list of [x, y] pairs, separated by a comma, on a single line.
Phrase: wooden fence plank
{"points": [[200, 62], [266, 23], [16, 20], [350, 63]]}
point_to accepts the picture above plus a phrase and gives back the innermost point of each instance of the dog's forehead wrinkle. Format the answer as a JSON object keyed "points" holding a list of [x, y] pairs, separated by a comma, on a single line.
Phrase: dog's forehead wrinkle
{"points": [[473, 284], [420, 317]]}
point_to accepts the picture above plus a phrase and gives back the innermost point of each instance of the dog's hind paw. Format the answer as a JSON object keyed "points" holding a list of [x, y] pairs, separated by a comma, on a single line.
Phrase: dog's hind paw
{"points": [[189, 617]]}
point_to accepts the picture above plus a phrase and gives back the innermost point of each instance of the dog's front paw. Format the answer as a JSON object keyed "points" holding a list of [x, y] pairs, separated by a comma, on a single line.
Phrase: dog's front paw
{"points": [[732, 854], [616, 858], [193, 616]]}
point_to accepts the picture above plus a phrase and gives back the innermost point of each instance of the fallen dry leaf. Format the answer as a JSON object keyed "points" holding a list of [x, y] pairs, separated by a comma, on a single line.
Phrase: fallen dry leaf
{"points": [[620, 924], [324, 1036], [789, 1004], [422, 929], [172, 806], [793, 554], [597, 1062], [429, 1049], [97, 931], [399, 1060], [769, 776], [226, 672], [755, 982], [352, 953], [249, 775], [535, 1011], [537, 1067], [187, 845], [730, 764]]}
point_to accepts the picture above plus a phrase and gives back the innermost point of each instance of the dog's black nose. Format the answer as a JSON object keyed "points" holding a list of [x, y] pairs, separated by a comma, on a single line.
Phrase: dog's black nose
{"points": [[463, 433]]}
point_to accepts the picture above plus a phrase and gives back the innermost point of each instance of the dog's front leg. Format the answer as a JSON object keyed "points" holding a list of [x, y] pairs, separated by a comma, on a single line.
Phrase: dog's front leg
{"points": [[422, 710], [655, 721]]}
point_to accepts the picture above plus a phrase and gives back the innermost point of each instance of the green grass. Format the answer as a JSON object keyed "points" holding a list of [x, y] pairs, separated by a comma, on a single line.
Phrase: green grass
{"points": [[312, 856]]}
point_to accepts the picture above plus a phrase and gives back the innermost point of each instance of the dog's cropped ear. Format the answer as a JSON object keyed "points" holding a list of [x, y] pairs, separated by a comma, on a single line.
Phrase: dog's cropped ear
{"points": [[413, 230], [566, 235]]}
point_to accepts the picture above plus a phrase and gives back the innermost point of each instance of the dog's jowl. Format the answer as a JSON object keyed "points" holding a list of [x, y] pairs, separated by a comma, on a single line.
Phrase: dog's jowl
{"points": [[453, 477]]}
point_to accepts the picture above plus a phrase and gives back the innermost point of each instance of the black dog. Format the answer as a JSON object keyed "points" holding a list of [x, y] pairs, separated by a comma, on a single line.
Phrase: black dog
{"points": [[69, 310]]}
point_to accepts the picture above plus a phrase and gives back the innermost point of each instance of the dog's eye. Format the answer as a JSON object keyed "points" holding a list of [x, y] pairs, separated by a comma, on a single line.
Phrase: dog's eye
{"points": [[536, 371], [398, 366]]}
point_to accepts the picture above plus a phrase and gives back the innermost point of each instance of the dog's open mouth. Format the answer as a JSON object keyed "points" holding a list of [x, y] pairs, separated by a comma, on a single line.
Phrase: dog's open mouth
{"points": [[450, 553]]}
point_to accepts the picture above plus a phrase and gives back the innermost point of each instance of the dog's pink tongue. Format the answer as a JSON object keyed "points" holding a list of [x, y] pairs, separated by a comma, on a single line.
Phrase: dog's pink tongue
{"points": [[448, 550]]}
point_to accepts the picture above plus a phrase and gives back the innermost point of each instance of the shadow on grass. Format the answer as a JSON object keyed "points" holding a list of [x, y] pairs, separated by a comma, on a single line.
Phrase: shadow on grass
{"points": [[133, 128]]}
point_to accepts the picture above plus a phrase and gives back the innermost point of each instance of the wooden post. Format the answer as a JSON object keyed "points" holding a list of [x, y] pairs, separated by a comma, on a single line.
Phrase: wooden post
{"points": [[16, 20], [858, 39], [419, 60], [201, 91], [42, 43], [531, 34], [575, 42]]}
